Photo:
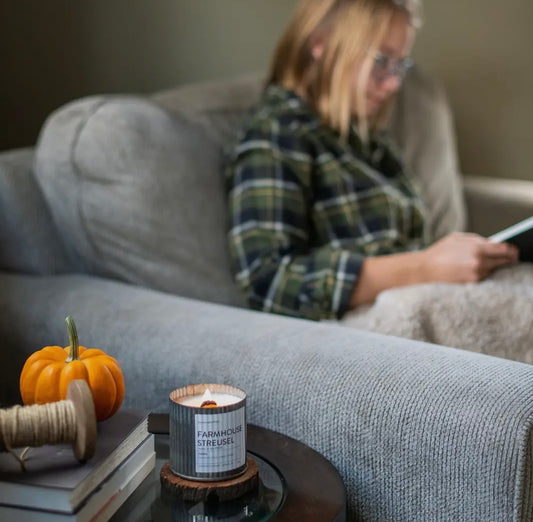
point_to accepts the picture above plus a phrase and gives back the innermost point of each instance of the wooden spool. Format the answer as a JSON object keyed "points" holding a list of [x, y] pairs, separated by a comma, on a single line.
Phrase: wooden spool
{"points": [[84, 441], [79, 393], [222, 490]]}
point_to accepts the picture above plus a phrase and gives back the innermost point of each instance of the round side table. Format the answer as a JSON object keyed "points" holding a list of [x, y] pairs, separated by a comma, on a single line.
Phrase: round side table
{"points": [[296, 484]]}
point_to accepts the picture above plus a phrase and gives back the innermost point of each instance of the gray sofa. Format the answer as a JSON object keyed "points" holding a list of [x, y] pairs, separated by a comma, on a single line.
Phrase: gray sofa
{"points": [[117, 218]]}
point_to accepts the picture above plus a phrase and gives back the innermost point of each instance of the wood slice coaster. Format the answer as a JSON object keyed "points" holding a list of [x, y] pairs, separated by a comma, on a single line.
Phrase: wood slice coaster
{"points": [[223, 490]]}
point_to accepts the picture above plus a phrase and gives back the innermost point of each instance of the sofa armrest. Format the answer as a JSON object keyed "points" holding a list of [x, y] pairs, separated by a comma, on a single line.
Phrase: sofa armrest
{"points": [[28, 238], [418, 432], [496, 203]]}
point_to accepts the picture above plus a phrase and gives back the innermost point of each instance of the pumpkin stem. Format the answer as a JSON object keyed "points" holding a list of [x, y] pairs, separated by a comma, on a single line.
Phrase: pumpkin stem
{"points": [[73, 340]]}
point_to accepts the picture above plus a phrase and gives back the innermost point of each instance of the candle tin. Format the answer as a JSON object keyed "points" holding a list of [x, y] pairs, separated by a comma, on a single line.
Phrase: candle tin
{"points": [[207, 444]]}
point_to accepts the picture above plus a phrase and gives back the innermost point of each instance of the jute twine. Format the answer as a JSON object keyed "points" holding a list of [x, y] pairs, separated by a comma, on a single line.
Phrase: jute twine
{"points": [[36, 425]]}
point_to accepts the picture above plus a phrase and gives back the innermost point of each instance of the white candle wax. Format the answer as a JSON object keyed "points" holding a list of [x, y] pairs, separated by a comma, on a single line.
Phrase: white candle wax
{"points": [[222, 399]]}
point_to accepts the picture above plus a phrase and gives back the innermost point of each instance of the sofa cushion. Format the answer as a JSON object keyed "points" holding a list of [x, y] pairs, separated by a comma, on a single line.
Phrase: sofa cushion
{"points": [[138, 195], [216, 106]]}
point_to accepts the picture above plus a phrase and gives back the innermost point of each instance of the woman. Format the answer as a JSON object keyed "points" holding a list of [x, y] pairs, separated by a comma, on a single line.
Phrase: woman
{"points": [[323, 213]]}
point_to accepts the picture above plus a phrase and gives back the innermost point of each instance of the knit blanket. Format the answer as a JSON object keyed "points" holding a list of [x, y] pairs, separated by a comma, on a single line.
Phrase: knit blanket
{"points": [[494, 316]]}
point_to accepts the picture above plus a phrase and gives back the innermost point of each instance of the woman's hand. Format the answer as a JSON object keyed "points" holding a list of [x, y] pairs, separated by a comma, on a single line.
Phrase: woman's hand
{"points": [[465, 258], [456, 258]]}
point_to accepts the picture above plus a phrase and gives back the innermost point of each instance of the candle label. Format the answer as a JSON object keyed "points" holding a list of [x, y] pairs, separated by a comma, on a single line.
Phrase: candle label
{"points": [[220, 441]]}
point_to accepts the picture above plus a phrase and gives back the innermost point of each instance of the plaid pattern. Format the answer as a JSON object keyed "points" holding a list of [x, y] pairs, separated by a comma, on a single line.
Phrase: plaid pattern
{"points": [[306, 208]]}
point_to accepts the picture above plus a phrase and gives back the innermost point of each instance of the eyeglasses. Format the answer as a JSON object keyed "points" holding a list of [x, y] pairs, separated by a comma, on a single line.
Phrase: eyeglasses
{"points": [[385, 66]]}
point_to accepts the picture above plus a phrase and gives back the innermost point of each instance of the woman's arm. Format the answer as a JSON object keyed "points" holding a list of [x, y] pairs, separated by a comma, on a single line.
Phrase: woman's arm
{"points": [[456, 258], [268, 183]]}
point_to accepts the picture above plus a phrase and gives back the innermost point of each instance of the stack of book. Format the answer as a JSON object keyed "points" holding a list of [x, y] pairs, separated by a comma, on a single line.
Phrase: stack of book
{"points": [[57, 488]]}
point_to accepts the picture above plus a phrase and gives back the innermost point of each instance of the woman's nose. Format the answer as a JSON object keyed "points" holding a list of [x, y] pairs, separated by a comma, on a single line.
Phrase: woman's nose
{"points": [[392, 83]]}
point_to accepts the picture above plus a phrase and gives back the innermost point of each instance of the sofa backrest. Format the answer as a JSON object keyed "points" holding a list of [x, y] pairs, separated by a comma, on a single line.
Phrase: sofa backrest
{"points": [[216, 107], [136, 189]]}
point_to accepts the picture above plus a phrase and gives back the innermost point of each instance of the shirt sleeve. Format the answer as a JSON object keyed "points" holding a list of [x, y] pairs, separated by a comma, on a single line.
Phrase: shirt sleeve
{"points": [[269, 178]]}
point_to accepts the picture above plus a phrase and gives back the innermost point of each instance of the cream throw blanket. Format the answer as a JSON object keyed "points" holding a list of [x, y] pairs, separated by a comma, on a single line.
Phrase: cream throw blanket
{"points": [[494, 316]]}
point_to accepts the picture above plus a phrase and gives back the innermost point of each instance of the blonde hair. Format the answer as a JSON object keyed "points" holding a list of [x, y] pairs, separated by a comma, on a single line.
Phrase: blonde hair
{"points": [[349, 29]]}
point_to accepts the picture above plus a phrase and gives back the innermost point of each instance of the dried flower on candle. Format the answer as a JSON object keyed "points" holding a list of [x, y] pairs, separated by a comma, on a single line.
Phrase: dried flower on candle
{"points": [[208, 404]]}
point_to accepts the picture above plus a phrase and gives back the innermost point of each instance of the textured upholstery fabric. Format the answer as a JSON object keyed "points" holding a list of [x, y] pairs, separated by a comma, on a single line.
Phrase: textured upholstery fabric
{"points": [[53, 157], [28, 238], [217, 106], [418, 432], [145, 196]]}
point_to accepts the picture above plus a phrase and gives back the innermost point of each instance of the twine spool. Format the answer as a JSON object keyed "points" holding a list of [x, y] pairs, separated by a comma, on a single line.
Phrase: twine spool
{"points": [[72, 421]]}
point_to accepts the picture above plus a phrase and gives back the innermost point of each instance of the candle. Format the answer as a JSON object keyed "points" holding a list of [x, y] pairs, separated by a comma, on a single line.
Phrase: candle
{"points": [[208, 432], [209, 400]]}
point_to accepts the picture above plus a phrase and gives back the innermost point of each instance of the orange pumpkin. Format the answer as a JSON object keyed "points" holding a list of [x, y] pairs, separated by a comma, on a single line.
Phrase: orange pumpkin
{"points": [[47, 373]]}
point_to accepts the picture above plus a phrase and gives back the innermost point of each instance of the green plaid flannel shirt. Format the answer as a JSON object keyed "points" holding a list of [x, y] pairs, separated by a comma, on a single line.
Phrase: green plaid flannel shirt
{"points": [[306, 208]]}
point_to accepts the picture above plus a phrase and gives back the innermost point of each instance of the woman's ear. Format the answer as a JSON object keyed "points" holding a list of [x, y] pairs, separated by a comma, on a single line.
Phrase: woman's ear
{"points": [[318, 43], [317, 49]]}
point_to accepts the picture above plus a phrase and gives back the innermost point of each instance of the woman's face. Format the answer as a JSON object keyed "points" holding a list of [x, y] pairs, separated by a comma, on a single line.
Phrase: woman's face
{"points": [[388, 67]]}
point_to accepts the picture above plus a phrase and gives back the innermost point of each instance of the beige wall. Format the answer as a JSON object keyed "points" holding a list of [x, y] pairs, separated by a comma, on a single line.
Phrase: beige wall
{"points": [[56, 50], [483, 52], [53, 51]]}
